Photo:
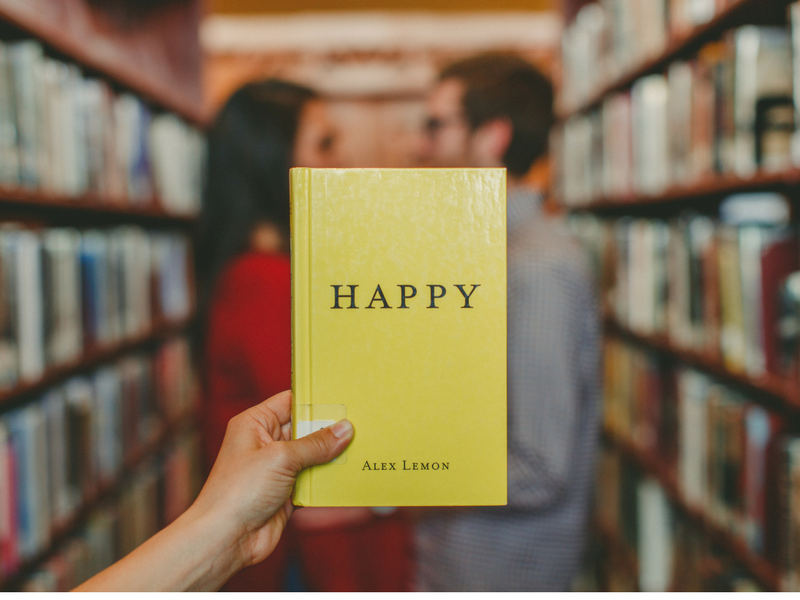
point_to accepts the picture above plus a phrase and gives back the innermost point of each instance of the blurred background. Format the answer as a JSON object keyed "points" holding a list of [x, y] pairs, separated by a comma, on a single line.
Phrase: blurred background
{"points": [[674, 160], [373, 61]]}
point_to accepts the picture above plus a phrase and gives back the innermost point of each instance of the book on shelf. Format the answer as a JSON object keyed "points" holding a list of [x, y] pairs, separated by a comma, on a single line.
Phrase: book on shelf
{"points": [[763, 82], [609, 39], [606, 40], [66, 133], [724, 442], [153, 496], [378, 293], [72, 443], [655, 538], [712, 286], [64, 292], [794, 21], [671, 552], [789, 507], [728, 111]]}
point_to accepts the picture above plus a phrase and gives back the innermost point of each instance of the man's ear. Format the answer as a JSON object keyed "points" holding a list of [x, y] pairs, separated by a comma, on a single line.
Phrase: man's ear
{"points": [[490, 141]]}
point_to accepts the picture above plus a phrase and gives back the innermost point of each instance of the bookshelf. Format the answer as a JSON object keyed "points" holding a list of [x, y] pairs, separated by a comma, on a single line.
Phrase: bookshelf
{"points": [[106, 492], [652, 465], [16, 202], [148, 55], [90, 360], [611, 537], [675, 201], [780, 393], [707, 190], [681, 45], [154, 52]]}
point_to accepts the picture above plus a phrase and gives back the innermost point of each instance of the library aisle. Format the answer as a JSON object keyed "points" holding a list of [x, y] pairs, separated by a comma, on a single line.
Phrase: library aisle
{"points": [[100, 183], [677, 160], [674, 159]]}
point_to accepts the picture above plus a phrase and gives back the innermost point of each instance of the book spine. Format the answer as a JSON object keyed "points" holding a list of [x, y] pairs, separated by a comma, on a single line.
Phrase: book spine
{"points": [[655, 539], [301, 310]]}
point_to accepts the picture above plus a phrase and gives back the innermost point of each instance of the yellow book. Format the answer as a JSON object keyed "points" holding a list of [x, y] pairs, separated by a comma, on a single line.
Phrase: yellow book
{"points": [[399, 324]]}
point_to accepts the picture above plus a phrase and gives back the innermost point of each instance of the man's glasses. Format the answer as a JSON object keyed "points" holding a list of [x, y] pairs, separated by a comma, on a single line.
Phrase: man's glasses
{"points": [[433, 125]]}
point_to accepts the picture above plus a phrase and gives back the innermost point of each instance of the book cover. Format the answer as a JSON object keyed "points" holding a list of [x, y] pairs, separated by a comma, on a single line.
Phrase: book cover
{"points": [[399, 324]]}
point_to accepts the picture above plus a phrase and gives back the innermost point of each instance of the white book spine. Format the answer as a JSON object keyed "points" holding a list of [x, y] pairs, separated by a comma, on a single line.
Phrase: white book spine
{"points": [[29, 305], [693, 413], [655, 538]]}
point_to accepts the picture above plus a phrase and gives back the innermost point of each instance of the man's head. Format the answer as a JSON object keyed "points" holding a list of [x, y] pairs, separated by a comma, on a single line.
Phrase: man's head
{"points": [[492, 110]]}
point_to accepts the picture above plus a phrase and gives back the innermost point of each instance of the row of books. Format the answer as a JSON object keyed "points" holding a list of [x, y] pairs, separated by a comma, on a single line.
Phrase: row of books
{"points": [[67, 133], [63, 292], [722, 286], [610, 38], [732, 457], [728, 111], [672, 553], [58, 452], [157, 493]]}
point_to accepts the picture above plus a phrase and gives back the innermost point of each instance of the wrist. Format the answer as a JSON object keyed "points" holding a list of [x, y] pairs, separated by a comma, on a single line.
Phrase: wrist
{"points": [[220, 538]]}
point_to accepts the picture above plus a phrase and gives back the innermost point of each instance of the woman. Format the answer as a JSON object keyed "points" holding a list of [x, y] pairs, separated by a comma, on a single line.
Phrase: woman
{"points": [[245, 310]]}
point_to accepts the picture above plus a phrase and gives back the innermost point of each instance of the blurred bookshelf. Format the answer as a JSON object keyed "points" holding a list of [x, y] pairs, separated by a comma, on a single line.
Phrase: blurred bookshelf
{"points": [[677, 161], [681, 43], [101, 155], [780, 393], [761, 569], [105, 494], [709, 190]]}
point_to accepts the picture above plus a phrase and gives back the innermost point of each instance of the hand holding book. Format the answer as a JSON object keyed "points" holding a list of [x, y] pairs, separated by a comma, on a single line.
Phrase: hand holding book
{"points": [[241, 512]]}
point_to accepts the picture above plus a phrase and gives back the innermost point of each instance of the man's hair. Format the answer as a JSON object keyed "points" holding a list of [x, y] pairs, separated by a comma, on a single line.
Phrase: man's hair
{"points": [[505, 86]]}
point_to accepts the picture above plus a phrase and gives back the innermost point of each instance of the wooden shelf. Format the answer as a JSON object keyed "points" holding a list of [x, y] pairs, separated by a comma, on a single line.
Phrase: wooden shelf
{"points": [[17, 202], [613, 540], [680, 47], [761, 569], [783, 392], [714, 187], [167, 74], [91, 359], [105, 492]]}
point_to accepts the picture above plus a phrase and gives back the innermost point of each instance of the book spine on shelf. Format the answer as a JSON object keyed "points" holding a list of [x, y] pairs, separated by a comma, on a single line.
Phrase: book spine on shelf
{"points": [[156, 492], [728, 111], [722, 438], [62, 450], [705, 285], [67, 134]]}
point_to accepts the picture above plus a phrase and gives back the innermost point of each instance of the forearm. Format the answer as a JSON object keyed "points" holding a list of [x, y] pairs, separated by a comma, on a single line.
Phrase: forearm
{"points": [[193, 553]]}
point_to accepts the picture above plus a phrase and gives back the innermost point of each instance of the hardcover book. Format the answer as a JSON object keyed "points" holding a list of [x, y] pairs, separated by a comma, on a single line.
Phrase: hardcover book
{"points": [[399, 325]]}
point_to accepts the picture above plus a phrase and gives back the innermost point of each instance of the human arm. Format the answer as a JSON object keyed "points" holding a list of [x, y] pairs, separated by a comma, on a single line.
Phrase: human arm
{"points": [[241, 511]]}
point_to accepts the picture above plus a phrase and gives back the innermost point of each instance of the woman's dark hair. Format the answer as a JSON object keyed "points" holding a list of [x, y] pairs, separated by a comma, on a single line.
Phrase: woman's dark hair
{"points": [[250, 147]]}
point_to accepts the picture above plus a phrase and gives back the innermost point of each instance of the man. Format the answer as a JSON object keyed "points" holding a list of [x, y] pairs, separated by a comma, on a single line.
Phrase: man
{"points": [[495, 110]]}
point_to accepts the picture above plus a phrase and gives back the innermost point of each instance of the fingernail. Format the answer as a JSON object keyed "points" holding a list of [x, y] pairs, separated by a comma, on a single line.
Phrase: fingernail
{"points": [[342, 429]]}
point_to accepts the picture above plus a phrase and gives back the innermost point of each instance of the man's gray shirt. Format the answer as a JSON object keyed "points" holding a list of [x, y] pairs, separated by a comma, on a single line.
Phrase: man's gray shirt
{"points": [[536, 542]]}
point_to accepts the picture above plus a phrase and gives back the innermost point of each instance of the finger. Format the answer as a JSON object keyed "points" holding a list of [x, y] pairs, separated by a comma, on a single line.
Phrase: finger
{"points": [[289, 508], [280, 405], [319, 447]]}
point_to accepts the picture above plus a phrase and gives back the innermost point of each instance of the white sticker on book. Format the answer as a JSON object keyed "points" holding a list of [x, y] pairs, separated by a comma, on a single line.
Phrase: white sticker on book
{"points": [[305, 428]]}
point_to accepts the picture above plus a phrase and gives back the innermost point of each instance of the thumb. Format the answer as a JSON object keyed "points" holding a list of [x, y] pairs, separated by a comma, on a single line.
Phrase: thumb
{"points": [[321, 446]]}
